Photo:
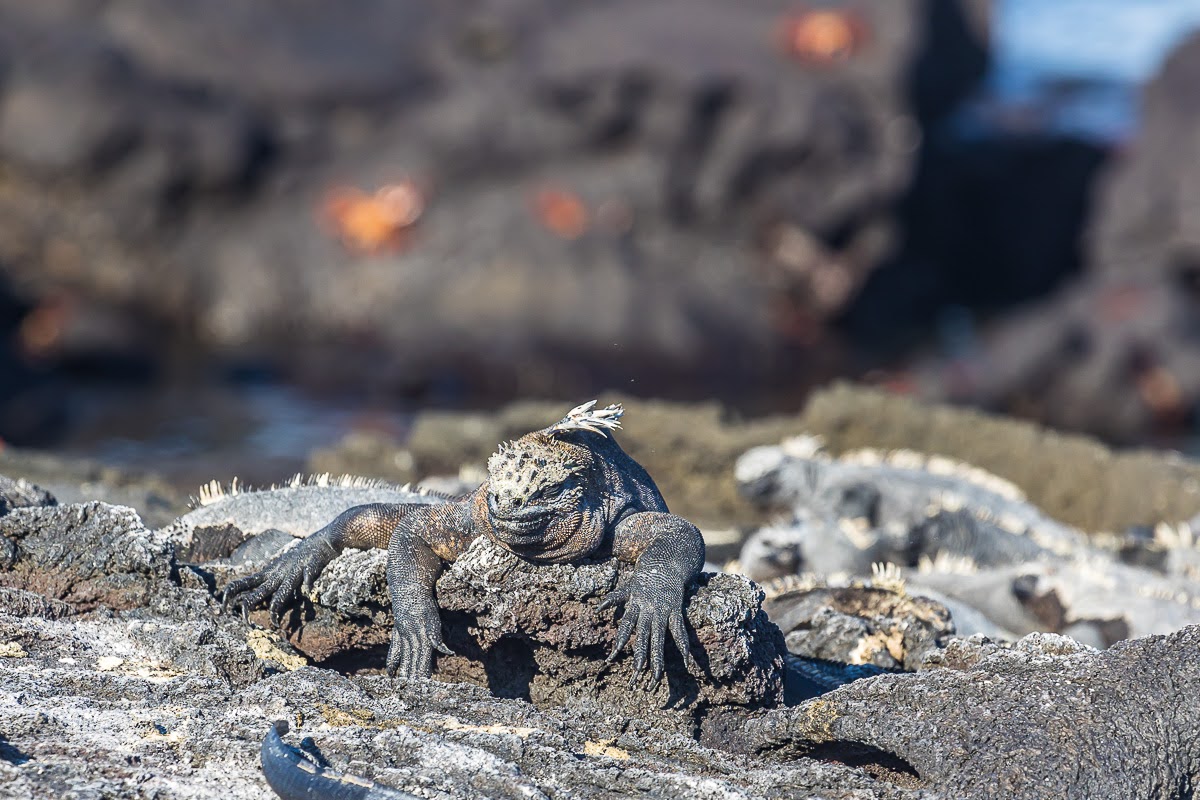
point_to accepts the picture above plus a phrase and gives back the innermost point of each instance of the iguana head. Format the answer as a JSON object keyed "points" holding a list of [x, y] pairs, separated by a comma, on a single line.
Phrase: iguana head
{"points": [[544, 490]]}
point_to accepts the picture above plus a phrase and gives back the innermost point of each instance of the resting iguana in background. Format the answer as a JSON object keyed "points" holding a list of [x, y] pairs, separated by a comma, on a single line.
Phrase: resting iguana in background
{"points": [[555, 495]]}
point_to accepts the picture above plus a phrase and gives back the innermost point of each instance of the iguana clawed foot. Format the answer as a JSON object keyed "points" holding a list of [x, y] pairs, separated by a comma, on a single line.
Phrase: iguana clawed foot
{"points": [[417, 632], [280, 582], [652, 609]]}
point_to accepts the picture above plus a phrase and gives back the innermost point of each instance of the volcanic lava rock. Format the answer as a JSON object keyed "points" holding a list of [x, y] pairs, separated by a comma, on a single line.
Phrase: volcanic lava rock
{"points": [[1045, 718], [21, 493], [165, 695], [858, 623], [534, 632], [88, 554]]}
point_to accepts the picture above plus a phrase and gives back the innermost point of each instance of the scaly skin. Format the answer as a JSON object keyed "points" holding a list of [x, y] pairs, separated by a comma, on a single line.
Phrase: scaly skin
{"points": [[556, 495]]}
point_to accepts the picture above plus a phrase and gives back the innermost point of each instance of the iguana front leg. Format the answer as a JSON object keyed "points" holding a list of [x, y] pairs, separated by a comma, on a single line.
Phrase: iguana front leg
{"points": [[669, 553], [418, 550], [280, 581]]}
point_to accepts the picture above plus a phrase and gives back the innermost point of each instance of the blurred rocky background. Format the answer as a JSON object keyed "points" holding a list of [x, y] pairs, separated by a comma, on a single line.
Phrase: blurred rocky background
{"points": [[234, 232]]}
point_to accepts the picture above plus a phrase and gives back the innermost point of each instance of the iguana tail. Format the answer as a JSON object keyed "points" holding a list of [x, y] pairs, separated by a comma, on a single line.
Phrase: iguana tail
{"points": [[294, 777]]}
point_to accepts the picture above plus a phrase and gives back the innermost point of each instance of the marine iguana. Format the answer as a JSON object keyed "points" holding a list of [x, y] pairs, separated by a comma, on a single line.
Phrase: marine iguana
{"points": [[556, 495], [869, 506], [969, 539]]}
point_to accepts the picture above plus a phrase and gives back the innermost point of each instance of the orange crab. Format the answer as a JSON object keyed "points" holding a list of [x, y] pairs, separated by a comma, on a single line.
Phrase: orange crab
{"points": [[822, 36], [370, 224], [560, 211]]}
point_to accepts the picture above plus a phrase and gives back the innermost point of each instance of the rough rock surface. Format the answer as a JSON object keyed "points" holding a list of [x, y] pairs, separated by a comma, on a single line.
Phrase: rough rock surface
{"points": [[88, 554], [95, 708], [163, 695], [1046, 718], [508, 604], [858, 622], [21, 493], [533, 632]]}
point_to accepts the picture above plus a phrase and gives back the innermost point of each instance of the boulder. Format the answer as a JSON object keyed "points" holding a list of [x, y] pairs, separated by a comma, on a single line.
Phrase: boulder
{"points": [[1044, 718], [534, 632]]}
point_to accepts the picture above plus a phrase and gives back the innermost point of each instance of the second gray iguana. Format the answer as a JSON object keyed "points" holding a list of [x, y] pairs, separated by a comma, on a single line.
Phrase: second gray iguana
{"points": [[557, 495]]}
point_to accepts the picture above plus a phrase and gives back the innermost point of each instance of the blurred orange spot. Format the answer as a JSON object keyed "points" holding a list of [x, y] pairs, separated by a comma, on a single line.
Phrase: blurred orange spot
{"points": [[1160, 391], [371, 224], [42, 329], [822, 36], [560, 212]]}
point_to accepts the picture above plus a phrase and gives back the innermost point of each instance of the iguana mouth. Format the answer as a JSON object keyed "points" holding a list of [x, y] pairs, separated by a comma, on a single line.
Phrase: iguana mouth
{"points": [[525, 527]]}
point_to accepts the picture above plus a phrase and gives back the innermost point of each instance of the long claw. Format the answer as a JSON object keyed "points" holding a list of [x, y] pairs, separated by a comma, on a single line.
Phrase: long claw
{"points": [[682, 640], [616, 597], [624, 633], [641, 648], [279, 604], [658, 641]]}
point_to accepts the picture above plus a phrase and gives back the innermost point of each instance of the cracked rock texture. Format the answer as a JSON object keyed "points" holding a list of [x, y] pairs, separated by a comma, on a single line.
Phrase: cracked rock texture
{"points": [[860, 624], [121, 677], [1046, 718], [534, 632], [164, 696], [86, 554]]}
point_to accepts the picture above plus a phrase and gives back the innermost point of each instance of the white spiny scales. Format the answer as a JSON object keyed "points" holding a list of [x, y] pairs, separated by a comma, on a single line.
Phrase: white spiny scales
{"points": [[586, 418], [214, 491], [889, 576]]}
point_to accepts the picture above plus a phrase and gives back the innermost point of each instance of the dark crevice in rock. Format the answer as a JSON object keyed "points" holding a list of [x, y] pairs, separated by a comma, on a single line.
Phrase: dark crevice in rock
{"points": [[877, 763], [364, 660], [507, 669]]}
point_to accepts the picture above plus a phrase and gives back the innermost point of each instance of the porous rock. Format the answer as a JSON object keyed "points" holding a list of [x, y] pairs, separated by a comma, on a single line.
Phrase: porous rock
{"points": [[534, 631], [150, 726], [509, 607], [86, 554], [1045, 718], [20, 493], [860, 624]]}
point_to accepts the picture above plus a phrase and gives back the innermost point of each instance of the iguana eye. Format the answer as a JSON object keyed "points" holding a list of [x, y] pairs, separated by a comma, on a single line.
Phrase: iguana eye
{"points": [[547, 492]]}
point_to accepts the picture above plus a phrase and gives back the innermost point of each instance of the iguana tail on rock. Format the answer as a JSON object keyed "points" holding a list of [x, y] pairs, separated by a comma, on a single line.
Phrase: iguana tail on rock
{"points": [[294, 777]]}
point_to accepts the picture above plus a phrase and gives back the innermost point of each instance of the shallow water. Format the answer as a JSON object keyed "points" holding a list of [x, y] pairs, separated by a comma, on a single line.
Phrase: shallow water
{"points": [[259, 433], [1076, 65]]}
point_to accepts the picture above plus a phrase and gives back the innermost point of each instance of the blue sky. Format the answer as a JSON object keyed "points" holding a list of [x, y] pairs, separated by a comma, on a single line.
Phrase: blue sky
{"points": [[1121, 40]]}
